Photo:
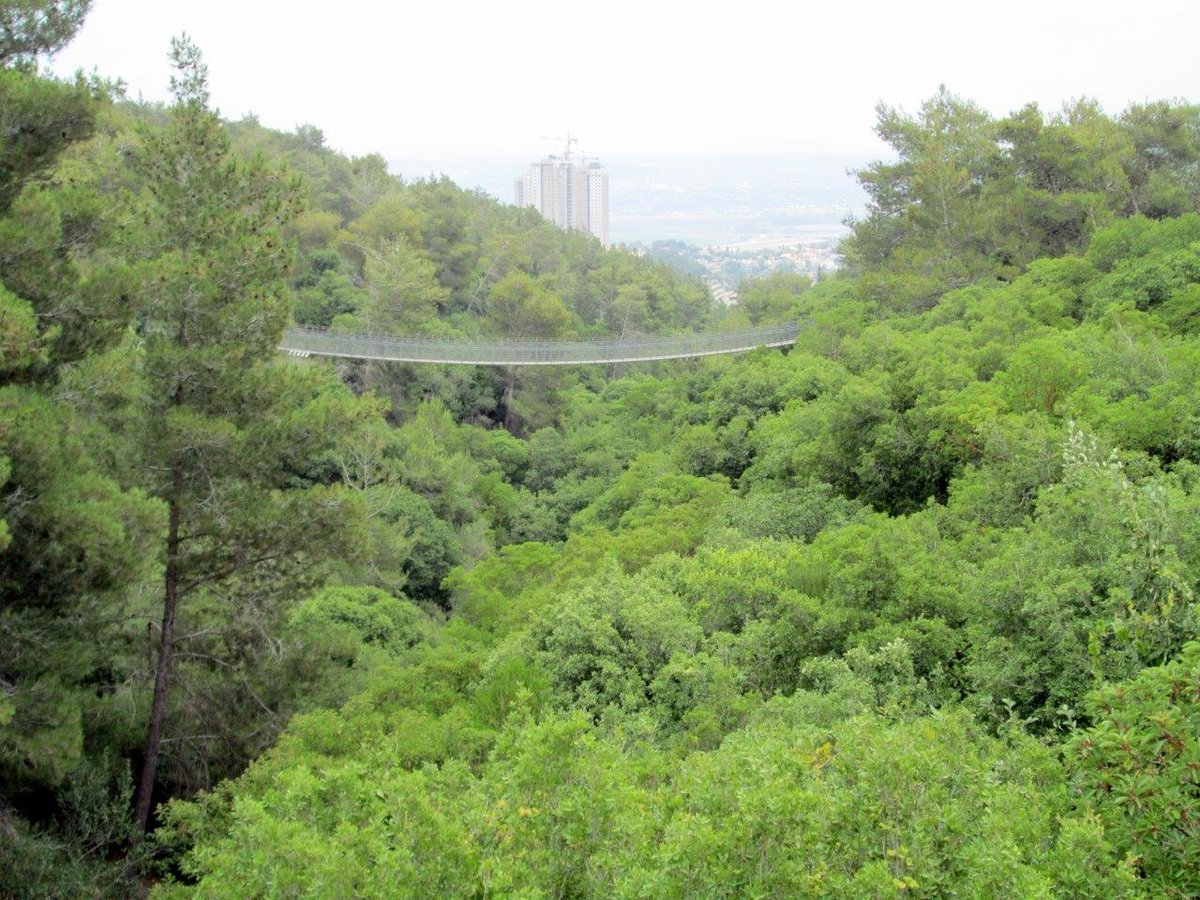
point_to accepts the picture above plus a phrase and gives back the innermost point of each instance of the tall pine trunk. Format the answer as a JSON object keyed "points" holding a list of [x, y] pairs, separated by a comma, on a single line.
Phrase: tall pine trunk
{"points": [[511, 420], [166, 647]]}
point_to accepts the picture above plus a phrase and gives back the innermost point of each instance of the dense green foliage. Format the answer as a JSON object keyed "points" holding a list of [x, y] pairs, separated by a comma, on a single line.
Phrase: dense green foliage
{"points": [[906, 610], [970, 196], [810, 624]]}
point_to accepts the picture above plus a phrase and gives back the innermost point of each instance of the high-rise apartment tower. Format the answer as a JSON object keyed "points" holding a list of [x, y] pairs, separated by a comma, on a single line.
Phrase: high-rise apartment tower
{"points": [[568, 193]]}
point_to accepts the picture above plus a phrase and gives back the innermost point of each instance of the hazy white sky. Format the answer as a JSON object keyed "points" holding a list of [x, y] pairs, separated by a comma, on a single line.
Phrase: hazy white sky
{"points": [[460, 78]]}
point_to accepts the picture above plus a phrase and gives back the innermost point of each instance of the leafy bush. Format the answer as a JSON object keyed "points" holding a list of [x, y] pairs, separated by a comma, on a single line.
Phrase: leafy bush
{"points": [[1139, 766]]}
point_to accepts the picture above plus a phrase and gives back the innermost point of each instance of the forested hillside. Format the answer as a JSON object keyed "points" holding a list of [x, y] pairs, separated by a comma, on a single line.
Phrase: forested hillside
{"points": [[424, 257], [906, 609]]}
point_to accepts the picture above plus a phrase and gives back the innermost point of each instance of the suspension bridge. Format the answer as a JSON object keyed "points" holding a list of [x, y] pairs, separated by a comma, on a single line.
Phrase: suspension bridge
{"points": [[316, 342]]}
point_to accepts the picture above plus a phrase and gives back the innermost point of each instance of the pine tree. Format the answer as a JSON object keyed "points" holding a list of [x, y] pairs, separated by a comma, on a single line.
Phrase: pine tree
{"points": [[31, 27], [227, 435]]}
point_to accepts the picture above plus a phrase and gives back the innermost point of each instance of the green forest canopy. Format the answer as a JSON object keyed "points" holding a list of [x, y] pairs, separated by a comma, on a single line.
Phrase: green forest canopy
{"points": [[909, 609]]}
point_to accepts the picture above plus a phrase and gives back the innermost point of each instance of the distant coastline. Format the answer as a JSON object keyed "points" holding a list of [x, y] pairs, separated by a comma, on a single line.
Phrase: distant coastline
{"points": [[735, 234]]}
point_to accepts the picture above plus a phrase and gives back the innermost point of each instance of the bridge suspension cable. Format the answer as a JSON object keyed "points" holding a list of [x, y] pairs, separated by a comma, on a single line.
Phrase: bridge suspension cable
{"points": [[317, 342]]}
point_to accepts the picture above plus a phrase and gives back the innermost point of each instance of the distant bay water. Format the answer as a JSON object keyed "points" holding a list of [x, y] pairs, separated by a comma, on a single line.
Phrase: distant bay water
{"points": [[742, 201]]}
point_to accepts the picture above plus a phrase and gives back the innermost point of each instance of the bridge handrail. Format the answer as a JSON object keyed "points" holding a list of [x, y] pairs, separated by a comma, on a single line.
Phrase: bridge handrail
{"points": [[424, 348]]}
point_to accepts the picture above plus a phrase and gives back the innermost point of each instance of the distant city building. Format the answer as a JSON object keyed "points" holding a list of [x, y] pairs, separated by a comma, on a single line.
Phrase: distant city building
{"points": [[568, 193]]}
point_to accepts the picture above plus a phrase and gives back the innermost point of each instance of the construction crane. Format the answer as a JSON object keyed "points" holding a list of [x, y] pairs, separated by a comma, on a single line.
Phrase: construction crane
{"points": [[567, 141]]}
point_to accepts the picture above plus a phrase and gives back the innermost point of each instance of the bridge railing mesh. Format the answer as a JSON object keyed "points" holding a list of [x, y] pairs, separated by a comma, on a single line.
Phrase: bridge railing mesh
{"points": [[524, 352]]}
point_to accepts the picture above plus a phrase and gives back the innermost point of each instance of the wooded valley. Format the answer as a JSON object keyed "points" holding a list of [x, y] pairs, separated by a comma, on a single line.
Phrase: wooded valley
{"points": [[907, 609]]}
